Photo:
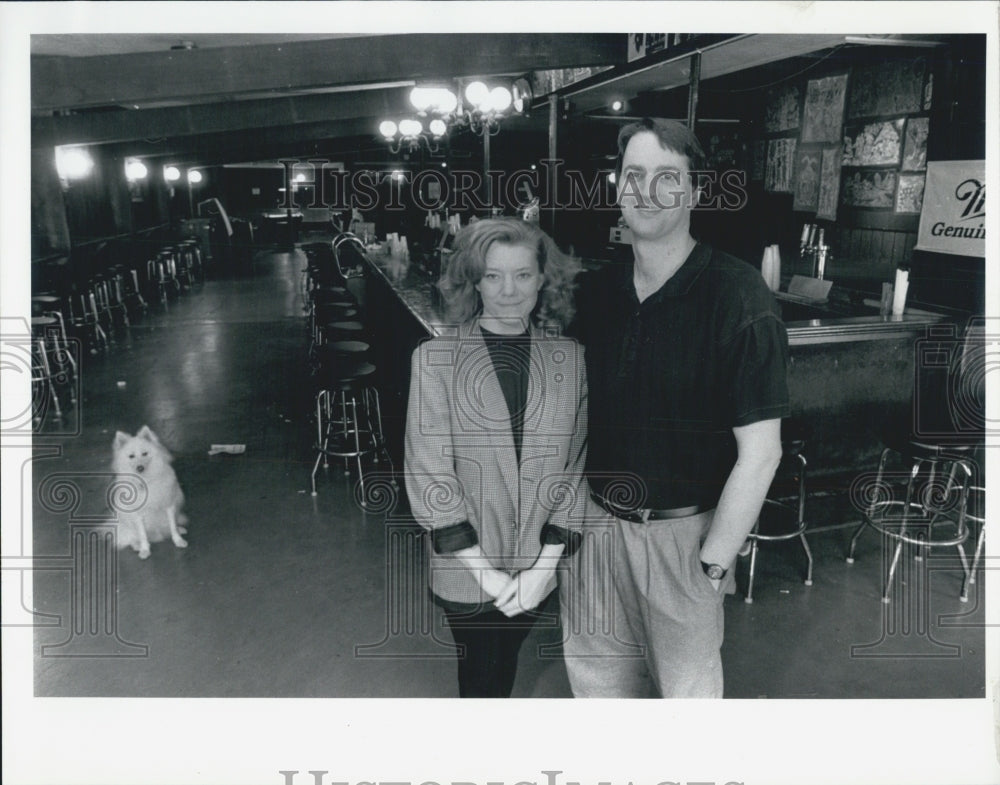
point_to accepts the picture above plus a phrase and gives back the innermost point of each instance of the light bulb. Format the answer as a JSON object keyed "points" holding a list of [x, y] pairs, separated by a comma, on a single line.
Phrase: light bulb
{"points": [[387, 128], [135, 170], [616, 106], [73, 162], [410, 127], [476, 93], [421, 98], [171, 173], [194, 176], [438, 128], [447, 101], [500, 98]]}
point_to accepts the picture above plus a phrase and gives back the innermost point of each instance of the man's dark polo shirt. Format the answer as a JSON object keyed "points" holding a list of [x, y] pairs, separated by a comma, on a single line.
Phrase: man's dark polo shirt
{"points": [[670, 377]]}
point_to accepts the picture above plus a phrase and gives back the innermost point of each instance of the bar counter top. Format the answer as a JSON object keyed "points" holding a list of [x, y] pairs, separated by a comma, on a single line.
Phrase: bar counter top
{"points": [[839, 320]]}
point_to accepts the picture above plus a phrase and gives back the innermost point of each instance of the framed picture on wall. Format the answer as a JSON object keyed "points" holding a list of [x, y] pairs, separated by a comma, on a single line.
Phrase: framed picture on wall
{"points": [[829, 184], [866, 188], [915, 144], [873, 144], [823, 114], [888, 87], [807, 175], [910, 195], [780, 165], [781, 110]]}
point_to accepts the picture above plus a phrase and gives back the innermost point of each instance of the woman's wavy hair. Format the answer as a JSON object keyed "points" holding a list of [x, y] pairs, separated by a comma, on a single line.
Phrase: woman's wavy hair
{"points": [[464, 269]]}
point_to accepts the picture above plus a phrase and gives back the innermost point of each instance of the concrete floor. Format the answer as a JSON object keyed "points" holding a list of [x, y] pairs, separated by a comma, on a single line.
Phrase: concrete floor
{"points": [[282, 594]]}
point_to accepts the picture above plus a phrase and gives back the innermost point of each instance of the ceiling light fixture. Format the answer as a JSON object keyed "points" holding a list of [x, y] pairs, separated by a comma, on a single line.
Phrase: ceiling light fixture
{"points": [[480, 110]]}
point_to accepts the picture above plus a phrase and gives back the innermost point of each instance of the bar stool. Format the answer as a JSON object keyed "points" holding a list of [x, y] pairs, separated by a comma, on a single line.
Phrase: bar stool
{"points": [[43, 332], [938, 440], [50, 325], [344, 331], [792, 447], [913, 519], [356, 431], [129, 291], [977, 493], [114, 295], [84, 320], [101, 293], [185, 263]]}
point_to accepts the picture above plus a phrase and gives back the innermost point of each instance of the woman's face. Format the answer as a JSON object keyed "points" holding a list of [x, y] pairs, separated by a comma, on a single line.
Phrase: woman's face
{"points": [[510, 284]]}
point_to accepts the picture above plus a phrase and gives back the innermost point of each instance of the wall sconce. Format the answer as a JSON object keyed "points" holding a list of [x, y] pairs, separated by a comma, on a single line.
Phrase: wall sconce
{"points": [[135, 170], [73, 163], [194, 176], [171, 174]]}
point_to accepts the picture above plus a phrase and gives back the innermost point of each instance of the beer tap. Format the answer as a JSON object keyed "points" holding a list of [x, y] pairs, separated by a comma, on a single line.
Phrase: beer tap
{"points": [[812, 247]]}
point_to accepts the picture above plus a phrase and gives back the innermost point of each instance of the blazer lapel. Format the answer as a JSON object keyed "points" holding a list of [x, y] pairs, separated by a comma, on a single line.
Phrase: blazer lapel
{"points": [[537, 443]]}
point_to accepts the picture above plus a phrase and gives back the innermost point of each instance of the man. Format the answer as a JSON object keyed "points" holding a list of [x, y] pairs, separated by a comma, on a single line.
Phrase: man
{"points": [[686, 361]]}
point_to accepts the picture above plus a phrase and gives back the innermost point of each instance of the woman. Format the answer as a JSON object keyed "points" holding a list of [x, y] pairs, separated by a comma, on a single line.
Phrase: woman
{"points": [[496, 442]]}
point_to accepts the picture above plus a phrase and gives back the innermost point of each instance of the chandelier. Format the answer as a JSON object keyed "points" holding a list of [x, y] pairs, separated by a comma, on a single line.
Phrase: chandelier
{"points": [[480, 110]]}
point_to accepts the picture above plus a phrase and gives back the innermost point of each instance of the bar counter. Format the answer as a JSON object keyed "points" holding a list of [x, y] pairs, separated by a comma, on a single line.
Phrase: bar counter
{"points": [[850, 369]]}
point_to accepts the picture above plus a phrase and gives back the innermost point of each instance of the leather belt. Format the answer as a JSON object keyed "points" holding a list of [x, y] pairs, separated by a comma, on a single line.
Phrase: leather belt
{"points": [[647, 515]]}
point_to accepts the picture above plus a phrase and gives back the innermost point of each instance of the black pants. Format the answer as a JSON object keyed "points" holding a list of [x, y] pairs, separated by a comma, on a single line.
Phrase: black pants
{"points": [[488, 645]]}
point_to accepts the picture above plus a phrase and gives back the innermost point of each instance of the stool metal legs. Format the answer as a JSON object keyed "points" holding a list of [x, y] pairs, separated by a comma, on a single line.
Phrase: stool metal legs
{"points": [[912, 520], [357, 431], [756, 537]]}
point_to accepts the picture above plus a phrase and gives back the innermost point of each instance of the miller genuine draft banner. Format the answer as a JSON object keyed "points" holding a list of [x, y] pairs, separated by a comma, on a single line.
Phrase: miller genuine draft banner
{"points": [[953, 217]]}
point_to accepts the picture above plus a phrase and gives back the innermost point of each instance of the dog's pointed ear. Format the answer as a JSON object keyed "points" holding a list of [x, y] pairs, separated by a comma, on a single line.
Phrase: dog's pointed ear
{"points": [[146, 433], [120, 439]]}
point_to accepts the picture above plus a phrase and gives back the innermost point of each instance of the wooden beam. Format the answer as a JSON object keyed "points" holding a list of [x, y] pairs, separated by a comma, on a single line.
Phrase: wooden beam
{"points": [[247, 144], [72, 82], [133, 124]]}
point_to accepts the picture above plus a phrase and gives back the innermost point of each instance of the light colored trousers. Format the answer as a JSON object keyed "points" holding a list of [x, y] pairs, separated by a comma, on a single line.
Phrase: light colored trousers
{"points": [[639, 615]]}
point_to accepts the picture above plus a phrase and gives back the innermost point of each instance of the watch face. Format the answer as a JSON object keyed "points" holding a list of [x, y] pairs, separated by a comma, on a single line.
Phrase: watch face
{"points": [[714, 571]]}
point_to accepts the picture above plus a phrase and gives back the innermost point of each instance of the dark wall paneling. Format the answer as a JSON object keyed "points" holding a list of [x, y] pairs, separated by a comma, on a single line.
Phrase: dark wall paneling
{"points": [[49, 230]]}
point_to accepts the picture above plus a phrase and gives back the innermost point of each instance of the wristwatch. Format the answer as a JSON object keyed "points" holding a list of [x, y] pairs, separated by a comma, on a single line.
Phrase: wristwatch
{"points": [[714, 571]]}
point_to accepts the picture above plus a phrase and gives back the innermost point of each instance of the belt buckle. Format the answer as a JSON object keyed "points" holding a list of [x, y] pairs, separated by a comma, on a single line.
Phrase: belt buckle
{"points": [[644, 514]]}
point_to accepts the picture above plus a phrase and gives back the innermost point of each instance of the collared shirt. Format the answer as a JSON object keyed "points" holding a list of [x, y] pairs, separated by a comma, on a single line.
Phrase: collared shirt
{"points": [[669, 378]]}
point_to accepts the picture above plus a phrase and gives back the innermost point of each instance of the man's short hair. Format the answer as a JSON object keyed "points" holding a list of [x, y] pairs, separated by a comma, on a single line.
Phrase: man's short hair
{"points": [[673, 135]]}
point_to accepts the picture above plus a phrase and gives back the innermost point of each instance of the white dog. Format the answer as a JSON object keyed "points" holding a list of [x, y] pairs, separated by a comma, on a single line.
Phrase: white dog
{"points": [[157, 512]]}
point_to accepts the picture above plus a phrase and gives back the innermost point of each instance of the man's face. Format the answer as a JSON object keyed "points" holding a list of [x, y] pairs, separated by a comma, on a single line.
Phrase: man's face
{"points": [[654, 190]]}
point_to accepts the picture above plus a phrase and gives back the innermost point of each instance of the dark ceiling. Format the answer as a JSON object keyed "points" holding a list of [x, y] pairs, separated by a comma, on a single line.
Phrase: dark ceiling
{"points": [[213, 99]]}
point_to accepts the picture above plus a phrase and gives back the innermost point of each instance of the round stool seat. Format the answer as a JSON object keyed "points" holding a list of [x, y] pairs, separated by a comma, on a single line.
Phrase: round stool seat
{"points": [[351, 377], [328, 313], [348, 347], [331, 294], [45, 299], [792, 448], [42, 322]]}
